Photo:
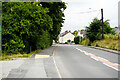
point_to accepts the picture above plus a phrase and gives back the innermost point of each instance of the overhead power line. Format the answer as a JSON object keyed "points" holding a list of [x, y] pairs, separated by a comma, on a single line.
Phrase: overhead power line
{"points": [[98, 13], [88, 12]]}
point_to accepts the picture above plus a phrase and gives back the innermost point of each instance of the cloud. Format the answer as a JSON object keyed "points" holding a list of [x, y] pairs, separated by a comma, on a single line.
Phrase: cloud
{"points": [[76, 20]]}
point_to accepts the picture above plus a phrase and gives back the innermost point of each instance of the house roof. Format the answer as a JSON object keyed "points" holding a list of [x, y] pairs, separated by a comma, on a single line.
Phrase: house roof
{"points": [[64, 33]]}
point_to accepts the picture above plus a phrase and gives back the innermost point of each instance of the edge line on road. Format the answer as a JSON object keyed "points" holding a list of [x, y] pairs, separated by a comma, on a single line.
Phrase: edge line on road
{"points": [[110, 66], [97, 59], [57, 70]]}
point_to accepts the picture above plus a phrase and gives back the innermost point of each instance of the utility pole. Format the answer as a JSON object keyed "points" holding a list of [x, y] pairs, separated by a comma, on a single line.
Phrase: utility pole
{"points": [[102, 24]]}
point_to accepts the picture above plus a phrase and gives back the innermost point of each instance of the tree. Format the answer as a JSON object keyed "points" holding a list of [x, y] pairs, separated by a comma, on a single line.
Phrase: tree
{"points": [[75, 32], [94, 31], [27, 25], [56, 12], [77, 39]]}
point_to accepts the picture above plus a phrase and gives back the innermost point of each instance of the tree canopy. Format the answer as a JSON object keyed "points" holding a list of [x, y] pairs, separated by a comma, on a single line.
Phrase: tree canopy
{"points": [[94, 30], [34, 24], [75, 32], [77, 39]]}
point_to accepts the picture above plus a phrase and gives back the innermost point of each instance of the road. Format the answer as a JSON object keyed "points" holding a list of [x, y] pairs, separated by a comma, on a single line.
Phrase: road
{"points": [[68, 61], [76, 64]]}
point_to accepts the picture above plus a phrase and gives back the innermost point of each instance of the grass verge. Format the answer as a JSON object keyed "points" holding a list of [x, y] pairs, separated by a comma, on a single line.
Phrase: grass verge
{"points": [[107, 43], [17, 56]]}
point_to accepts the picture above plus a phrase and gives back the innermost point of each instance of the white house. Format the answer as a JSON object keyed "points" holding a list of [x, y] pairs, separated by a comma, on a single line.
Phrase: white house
{"points": [[80, 34], [63, 37]]}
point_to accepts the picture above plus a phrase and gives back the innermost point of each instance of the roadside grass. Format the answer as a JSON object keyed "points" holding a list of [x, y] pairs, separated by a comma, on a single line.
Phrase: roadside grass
{"points": [[17, 56], [85, 41], [107, 43], [110, 42]]}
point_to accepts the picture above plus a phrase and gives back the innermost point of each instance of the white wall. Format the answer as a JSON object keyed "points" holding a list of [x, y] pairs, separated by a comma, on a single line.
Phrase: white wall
{"points": [[68, 36], [60, 39], [79, 34]]}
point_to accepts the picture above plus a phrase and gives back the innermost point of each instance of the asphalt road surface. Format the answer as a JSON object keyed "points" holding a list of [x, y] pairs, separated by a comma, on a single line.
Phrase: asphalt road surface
{"points": [[72, 62], [68, 61]]}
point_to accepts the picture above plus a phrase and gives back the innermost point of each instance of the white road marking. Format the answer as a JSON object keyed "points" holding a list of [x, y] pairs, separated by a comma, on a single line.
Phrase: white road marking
{"points": [[116, 64], [99, 58], [57, 70], [41, 56], [94, 58], [77, 49], [86, 53], [103, 58], [110, 66]]}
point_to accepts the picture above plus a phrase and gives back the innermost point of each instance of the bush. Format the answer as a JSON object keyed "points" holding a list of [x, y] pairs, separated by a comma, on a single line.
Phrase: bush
{"points": [[26, 25], [66, 42], [94, 30], [72, 41], [106, 43], [85, 41], [77, 39], [111, 36]]}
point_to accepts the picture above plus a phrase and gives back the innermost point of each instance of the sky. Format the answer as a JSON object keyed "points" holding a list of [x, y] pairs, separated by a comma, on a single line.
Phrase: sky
{"points": [[79, 13]]}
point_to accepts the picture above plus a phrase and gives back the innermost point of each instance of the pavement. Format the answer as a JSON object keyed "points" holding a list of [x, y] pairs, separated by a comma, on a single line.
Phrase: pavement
{"points": [[34, 67], [64, 61], [7, 66]]}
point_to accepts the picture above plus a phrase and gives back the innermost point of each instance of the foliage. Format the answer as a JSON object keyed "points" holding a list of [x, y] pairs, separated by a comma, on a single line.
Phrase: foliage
{"points": [[25, 24], [111, 36], [72, 41], [85, 41], [94, 31], [107, 43], [110, 42], [77, 39], [17, 56], [56, 12], [68, 41], [75, 32]]}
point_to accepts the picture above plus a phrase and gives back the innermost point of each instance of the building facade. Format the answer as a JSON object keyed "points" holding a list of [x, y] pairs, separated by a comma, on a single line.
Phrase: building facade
{"points": [[80, 34], [64, 37]]}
